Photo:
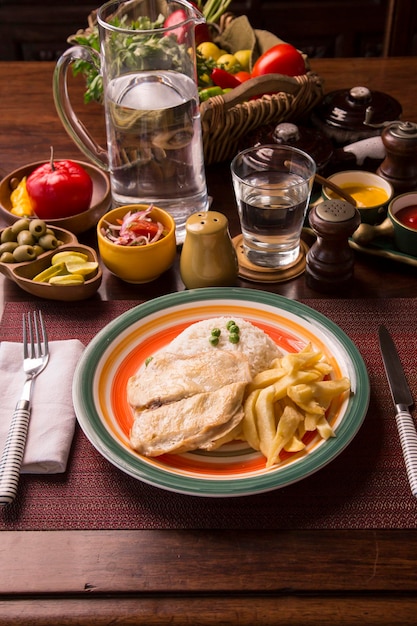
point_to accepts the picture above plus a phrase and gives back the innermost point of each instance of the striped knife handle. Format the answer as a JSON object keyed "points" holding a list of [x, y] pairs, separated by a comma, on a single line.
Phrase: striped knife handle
{"points": [[408, 439], [14, 448]]}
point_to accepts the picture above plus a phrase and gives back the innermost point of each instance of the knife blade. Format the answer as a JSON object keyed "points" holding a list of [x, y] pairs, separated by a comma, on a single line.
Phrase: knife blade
{"points": [[402, 399]]}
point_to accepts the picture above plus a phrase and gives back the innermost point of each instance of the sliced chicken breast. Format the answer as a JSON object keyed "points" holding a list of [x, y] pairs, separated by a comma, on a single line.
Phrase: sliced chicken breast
{"points": [[189, 423], [169, 378]]}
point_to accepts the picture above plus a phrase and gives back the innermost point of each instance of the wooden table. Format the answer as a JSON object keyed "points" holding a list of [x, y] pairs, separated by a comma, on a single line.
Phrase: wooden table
{"points": [[204, 577]]}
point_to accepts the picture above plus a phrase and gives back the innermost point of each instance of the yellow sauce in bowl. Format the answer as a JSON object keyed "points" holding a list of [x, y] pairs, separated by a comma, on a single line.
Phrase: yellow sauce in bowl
{"points": [[365, 195]]}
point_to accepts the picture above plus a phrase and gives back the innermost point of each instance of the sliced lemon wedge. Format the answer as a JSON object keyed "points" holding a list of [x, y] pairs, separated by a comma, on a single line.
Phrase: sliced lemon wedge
{"points": [[83, 268], [50, 272], [69, 256], [67, 279]]}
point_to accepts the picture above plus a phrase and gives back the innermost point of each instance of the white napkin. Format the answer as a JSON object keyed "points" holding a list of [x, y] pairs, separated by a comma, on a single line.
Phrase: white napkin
{"points": [[52, 421]]}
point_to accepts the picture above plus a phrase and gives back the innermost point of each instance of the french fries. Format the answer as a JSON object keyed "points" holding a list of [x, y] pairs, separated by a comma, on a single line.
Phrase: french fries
{"points": [[288, 400]]}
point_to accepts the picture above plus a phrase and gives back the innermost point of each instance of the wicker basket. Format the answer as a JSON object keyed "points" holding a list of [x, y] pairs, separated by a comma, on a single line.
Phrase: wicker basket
{"points": [[226, 119]]}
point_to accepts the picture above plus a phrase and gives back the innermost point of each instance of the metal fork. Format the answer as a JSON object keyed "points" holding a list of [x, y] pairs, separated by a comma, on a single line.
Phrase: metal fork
{"points": [[35, 359]]}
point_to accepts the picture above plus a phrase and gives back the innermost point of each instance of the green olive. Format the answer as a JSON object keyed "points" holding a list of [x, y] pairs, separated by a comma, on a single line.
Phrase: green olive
{"points": [[7, 257], [8, 246], [48, 242], [25, 237], [38, 249], [24, 253], [8, 235], [37, 228], [49, 231], [22, 224]]}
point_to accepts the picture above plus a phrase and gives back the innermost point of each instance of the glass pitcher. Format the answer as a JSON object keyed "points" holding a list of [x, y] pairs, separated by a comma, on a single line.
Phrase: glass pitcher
{"points": [[147, 66]]}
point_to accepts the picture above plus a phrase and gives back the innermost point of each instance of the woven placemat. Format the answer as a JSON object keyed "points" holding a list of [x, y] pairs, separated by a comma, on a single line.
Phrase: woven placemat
{"points": [[364, 487]]}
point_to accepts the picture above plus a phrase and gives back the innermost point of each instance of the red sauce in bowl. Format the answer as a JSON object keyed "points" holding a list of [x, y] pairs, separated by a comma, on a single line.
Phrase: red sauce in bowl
{"points": [[408, 216]]}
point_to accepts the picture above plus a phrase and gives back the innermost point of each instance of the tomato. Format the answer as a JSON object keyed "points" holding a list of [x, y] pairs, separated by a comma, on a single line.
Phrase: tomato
{"points": [[280, 59], [201, 31], [242, 76], [177, 17], [142, 227], [59, 189]]}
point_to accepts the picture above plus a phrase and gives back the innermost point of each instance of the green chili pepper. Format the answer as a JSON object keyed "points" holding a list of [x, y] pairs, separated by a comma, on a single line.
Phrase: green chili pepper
{"points": [[209, 92]]}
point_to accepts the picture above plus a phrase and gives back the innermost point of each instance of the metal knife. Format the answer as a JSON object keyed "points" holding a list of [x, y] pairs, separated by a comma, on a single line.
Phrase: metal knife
{"points": [[402, 398]]}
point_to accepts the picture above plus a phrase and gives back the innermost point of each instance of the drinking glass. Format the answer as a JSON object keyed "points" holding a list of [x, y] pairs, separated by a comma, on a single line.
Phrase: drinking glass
{"points": [[272, 185]]}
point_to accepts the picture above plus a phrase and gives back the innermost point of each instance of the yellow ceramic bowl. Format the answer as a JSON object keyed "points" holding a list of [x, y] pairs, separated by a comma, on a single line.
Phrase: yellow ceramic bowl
{"points": [[100, 201], [371, 192], [137, 264]]}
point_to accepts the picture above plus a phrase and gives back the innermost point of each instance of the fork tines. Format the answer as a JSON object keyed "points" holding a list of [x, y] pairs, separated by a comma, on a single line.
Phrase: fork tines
{"points": [[34, 333]]}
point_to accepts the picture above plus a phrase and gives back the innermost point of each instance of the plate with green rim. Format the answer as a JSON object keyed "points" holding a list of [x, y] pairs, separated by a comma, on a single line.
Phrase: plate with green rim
{"points": [[235, 469]]}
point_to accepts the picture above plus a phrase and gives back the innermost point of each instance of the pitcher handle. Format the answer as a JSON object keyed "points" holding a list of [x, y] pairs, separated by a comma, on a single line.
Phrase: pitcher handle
{"points": [[74, 127]]}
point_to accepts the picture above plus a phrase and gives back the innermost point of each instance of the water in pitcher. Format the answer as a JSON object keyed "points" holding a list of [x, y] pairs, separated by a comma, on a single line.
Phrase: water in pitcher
{"points": [[155, 144]]}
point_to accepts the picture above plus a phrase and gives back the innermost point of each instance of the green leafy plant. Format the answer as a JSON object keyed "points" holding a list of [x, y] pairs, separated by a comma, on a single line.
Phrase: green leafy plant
{"points": [[138, 51]]}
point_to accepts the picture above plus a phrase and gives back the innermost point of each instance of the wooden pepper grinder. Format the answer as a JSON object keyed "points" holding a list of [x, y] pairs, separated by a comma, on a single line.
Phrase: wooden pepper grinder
{"points": [[400, 164], [330, 260]]}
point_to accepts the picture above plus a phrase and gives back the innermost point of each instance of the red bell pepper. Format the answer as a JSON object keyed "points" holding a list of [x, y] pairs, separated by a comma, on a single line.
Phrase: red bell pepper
{"points": [[223, 79]]}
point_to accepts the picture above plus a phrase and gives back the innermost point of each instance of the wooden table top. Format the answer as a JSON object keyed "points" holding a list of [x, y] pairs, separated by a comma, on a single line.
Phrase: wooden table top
{"points": [[154, 577]]}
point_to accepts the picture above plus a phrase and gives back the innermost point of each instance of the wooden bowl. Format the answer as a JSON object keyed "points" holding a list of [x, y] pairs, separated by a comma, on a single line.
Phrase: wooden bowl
{"points": [[100, 201], [23, 273]]}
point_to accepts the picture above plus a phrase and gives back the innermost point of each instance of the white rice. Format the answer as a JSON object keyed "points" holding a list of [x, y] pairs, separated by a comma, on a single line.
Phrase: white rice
{"points": [[254, 343]]}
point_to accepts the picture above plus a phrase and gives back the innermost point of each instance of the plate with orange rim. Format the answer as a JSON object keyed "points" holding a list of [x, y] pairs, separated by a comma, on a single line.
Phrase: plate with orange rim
{"points": [[235, 469]]}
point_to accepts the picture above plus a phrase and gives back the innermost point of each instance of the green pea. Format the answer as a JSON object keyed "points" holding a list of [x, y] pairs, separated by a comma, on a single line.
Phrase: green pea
{"points": [[234, 338], [24, 253], [7, 257], [213, 340], [25, 238], [48, 242], [216, 332], [8, 235], [37, 228], [8, 246], [22, 224], [230, 323], [233, 329]]}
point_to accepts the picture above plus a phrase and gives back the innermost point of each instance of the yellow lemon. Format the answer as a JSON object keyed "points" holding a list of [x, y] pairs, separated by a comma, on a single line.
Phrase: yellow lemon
{"points": [[83, 268], [68, 279], [244, 58], [229, 63], [209, 50], [68, 256], [53, 270]]}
